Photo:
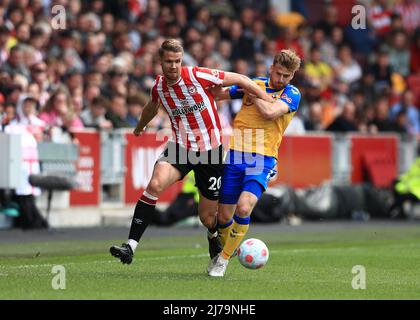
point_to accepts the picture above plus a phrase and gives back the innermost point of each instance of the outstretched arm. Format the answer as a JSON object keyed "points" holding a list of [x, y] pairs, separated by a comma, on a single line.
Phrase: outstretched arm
{"points": [[149, 112], [247, 84]]}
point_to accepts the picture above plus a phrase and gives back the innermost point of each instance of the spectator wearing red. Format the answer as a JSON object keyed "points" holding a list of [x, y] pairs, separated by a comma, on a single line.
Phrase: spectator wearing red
{"points": [[380, 17]]}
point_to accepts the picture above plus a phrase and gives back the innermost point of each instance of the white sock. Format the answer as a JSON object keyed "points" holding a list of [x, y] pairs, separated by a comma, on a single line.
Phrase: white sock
{"points": [[133, 244], [223, 259], [211, 235]]}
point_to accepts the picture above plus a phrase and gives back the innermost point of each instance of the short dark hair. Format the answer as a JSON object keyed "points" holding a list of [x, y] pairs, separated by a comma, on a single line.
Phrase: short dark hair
{"points": [[30, 99], [100, 101], [172, 45]]}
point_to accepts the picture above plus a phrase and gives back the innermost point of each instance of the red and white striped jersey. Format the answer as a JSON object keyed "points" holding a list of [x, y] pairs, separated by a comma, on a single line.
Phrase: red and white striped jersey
{"points": [[191, 107]]}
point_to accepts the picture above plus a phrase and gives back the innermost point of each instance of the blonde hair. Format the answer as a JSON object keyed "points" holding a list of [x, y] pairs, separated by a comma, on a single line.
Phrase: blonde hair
{"points": [[288, 59], [170, 45]]}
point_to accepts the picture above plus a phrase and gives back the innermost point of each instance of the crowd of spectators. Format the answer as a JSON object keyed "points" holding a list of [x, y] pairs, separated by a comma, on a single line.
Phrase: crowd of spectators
{"points": [[97, 71]]}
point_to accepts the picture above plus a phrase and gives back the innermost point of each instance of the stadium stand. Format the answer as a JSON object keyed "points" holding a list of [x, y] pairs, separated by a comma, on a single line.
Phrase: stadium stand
{"points": [[97, 70]]}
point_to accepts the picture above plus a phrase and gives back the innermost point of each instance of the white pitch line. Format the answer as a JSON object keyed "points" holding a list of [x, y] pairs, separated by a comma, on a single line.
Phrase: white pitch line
{"points": [[28, 266], [203, 255]]}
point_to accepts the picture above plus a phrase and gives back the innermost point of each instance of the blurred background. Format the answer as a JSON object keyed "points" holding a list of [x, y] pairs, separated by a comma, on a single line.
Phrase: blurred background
{"points": [[74, 81]]}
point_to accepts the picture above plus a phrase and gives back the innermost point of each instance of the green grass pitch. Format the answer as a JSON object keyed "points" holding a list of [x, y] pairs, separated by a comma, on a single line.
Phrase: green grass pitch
{"points": [[302, 265]]}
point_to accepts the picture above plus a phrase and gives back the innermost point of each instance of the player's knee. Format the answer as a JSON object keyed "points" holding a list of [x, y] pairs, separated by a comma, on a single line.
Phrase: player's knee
{"points": [[208, 221], [155, 187], [243, 210], [208, 218], [223, 218]]}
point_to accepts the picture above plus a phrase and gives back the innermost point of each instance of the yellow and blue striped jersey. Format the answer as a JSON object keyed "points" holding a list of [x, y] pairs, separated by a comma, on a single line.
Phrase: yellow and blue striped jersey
{"points": [[252, 133]]}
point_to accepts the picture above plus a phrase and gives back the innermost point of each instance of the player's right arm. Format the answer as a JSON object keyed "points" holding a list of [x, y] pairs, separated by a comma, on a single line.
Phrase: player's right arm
{"points": [[270, 110], [149, 112]]}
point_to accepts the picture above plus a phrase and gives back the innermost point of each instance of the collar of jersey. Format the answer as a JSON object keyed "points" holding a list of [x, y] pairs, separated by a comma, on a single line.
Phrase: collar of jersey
{"points": [[171, 85], [269, 89]]}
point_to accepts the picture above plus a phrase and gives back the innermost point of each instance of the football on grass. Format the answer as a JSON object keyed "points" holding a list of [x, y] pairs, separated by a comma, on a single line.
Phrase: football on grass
{"points": [[253, 254]]}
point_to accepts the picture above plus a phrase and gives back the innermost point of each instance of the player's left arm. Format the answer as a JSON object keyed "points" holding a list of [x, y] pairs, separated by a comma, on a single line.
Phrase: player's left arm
{"points": [[232, 78], [288, 102]]}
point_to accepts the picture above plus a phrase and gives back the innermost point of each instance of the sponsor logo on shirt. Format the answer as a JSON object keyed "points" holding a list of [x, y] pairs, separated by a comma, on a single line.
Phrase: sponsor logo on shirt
{"points": [[188, 109], [294, 90], [286, 97], [184, 103], [192, 89], [215, 73]]}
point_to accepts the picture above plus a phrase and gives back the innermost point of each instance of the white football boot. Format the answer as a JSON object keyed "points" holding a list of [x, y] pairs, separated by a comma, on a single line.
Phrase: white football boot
{"points": [[217, 266], [211, 263]]}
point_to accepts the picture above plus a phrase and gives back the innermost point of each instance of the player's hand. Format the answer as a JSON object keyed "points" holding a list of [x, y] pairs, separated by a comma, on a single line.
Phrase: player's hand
{"points": [[269, 98], [217, 92], [253, 97], [250, 95]]}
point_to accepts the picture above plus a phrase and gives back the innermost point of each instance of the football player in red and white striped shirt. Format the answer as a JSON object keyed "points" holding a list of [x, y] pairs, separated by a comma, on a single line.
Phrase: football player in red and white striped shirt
{"points": [[184, 93]]}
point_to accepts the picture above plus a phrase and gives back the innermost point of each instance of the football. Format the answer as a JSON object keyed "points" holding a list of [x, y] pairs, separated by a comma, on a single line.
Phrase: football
{"points": [[253, 254]]}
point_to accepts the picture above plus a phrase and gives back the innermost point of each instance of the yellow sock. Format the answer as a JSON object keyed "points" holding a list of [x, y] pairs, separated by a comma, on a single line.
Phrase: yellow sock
{"points": [[224, 231], [235, 237]]}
